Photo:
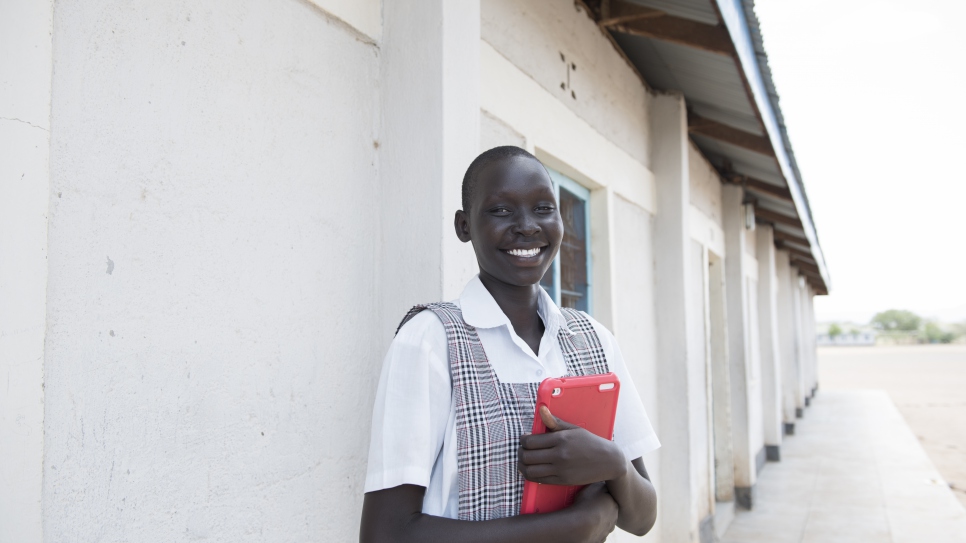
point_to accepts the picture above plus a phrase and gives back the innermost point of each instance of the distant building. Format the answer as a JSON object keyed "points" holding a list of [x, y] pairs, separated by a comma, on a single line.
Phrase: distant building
{"points": [[214, 215], [848, 338]]}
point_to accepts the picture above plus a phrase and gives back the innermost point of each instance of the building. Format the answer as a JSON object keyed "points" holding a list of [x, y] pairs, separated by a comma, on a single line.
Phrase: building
{"points": [[214, 215]]}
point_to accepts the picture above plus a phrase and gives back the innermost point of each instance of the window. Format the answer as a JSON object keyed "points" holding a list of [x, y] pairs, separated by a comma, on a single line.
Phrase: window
{"points": [[568, 281]]}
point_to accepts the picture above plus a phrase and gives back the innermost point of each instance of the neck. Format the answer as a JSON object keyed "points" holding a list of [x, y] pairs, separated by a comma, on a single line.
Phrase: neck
{"points": [[512, 299], [520, 305]]}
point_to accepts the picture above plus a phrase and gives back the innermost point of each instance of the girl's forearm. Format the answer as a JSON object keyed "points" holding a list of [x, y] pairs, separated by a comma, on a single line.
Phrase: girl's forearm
{"points": [[550, 528], [636, 497], [394, 516]]}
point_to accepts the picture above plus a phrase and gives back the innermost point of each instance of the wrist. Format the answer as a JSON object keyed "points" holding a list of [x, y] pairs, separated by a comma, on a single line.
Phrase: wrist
{"points": [[579, 520], [619, 462]]}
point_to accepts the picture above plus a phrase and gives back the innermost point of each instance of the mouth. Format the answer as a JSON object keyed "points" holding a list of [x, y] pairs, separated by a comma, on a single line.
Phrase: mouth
{"points": [[525, 253]]}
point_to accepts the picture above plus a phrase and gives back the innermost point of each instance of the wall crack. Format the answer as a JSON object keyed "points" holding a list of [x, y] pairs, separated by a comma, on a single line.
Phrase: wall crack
{"points": [[24, 122]]}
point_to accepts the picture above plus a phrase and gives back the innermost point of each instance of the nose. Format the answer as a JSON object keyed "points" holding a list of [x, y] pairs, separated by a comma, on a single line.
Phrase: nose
{"points": [[528, 225]]}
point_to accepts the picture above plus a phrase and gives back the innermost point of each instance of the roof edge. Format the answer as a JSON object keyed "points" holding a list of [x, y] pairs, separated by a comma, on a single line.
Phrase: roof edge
{"points": [[737, 14]]}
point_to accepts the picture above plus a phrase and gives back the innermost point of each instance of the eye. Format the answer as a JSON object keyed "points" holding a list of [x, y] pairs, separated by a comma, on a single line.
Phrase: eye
{"points": [[545, 209], [500, 211]]}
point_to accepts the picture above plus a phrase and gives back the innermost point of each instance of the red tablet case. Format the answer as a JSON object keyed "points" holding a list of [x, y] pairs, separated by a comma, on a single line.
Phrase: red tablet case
{"points": [[588, 401]]}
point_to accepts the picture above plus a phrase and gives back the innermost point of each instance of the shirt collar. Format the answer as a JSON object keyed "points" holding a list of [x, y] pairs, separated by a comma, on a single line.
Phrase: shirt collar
{"points": [[480, 310]]}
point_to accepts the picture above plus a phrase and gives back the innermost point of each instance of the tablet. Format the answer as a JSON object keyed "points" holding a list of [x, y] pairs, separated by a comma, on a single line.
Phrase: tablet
{"points": [[588, 401]]}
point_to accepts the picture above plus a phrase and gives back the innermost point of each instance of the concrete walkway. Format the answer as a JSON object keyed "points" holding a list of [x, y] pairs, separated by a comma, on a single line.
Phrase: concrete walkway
{"points": [[854, 472]]}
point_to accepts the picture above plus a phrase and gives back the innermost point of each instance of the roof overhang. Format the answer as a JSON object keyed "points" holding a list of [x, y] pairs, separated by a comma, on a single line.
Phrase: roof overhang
{"points": [[711, 51]]}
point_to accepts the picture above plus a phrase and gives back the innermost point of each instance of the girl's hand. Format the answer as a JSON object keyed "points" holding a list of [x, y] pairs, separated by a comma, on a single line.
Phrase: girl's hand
{"points": [[598, 509], [568, 455]]}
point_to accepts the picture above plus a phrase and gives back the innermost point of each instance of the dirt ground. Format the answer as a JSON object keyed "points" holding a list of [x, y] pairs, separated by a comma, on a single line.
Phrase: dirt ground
{"points": [[928, 385]]}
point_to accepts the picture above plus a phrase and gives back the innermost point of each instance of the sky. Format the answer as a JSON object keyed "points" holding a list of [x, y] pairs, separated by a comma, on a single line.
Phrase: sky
{"points": [[874, 98]]}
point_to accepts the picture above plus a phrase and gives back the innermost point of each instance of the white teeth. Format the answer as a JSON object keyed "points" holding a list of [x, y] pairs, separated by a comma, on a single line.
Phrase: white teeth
{"points": [[524, 252]]}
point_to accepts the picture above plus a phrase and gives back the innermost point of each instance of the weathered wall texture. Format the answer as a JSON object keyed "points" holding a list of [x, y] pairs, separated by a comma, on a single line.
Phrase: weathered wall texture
{"points": [[25, 64], [240, 199], [213, 249], [561, 48], [634, 281], [705, 185]]}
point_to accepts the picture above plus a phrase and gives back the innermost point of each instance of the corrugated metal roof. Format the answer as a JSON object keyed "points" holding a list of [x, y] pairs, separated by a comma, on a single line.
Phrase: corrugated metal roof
{"points": [[739, 92], [757, 39], [742, 160], [697, 10], [709, 81]]}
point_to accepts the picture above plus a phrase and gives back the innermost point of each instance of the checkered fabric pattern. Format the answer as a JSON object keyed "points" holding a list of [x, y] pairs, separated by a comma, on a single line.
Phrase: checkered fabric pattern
{"points": [[491, 416]]}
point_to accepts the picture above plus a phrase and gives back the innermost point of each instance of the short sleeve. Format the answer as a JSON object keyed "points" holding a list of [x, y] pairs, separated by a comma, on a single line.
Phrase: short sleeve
{"points": [[632, 427], [412, 406]]}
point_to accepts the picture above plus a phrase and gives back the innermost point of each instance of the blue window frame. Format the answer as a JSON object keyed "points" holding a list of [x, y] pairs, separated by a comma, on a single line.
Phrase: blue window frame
{"points": [[569, 279]]}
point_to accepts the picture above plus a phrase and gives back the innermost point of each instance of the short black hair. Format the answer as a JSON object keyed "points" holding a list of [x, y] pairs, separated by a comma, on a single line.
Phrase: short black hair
{"points": [[485, 159]]}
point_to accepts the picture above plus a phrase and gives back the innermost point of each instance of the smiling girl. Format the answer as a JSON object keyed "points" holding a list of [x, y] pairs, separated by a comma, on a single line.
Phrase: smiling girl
{"points": [[449, 450]]}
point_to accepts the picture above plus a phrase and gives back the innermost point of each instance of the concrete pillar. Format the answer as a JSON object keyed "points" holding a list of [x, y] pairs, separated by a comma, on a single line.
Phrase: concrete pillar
{"points": [[801, 350], [807, 350], [669, 152], [430, 102], [739, 347], [771, 382], [812, 383], [25, 90], [787, 339]]}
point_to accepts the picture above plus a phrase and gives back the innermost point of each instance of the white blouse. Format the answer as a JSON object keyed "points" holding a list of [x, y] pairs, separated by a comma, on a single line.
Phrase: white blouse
{"points": [[414, 421]]}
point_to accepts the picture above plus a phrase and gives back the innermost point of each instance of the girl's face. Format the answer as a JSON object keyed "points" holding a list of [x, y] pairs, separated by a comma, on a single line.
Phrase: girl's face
{"points": [[513, 222]]}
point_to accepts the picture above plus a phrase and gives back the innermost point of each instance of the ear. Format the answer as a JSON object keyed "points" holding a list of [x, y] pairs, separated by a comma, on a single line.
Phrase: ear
{"points": [[461, 222]]}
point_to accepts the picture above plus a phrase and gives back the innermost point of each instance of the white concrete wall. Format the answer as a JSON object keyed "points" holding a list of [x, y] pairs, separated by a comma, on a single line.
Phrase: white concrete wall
{"points": [[787, 338], [559, 46], [707, 236], [213, 257], [232, 241], [25, 68], [745, 427], [771, 374], [677, 364], [365, 16], [705, 200], [637, 329], [702, 466], [705, 186]]}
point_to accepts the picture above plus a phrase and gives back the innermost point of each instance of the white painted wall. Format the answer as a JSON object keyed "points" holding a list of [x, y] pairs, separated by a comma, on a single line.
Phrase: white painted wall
{"points": [[557, 135], [787, 338], [546, 40], [705, 199], [737, 271], [364, 16], [25, 66], [635, 313], [698, 376], [673, 299], [494, 132], [233, 239], [770, 359], [705, 184], [213, 255]]}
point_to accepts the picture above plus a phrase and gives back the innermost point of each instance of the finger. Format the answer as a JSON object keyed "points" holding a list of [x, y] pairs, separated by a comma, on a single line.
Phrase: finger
{"points": [[537, 456], [539, 441], [548, 419], [552, 423], [539, 473]]}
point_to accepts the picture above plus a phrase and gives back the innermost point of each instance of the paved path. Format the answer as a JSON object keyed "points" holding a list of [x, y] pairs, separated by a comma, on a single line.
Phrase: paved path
{"points": [[853, 473], [928, 385]]}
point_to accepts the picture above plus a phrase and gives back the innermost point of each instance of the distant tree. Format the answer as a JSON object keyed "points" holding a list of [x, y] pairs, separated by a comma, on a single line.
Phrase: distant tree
{"points": [[855, 331], [896, 319], [834, 330], [933, 333]]}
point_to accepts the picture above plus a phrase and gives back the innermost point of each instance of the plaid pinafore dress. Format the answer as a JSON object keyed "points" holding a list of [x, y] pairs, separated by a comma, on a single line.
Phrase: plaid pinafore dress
{"points": [[491, 416]]}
